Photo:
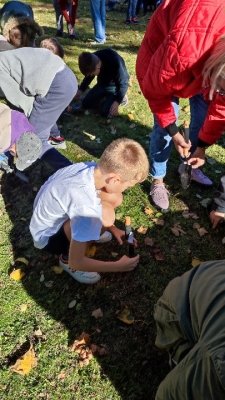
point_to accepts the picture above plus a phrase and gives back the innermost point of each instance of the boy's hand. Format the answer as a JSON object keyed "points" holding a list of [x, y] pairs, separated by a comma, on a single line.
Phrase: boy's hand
{"points": [[114, 109], [216, 218], [78, 95], [180, 143], [198, 157], [119, 235], [127, 264]]}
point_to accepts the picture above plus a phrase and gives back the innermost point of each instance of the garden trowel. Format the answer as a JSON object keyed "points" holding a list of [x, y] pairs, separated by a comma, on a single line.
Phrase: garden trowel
{"points": [[186, 168]]}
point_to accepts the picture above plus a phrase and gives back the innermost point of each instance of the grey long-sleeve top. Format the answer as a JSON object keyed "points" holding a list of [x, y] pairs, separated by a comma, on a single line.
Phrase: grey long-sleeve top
{"points": [[26, 73]]}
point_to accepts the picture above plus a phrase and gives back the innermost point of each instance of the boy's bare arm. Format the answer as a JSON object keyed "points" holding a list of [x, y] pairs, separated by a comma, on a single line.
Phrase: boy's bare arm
{"points": [[78, 261]]}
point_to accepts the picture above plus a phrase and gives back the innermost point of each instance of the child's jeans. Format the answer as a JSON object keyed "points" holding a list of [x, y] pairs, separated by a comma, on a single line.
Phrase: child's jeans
{"points": [[96, 95], [131, 9]]}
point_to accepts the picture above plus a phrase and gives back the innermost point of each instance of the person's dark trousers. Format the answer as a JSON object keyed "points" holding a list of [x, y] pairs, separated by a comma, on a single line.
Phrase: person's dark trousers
{"points": [[145, 6], [96, 95], [54, 158]]}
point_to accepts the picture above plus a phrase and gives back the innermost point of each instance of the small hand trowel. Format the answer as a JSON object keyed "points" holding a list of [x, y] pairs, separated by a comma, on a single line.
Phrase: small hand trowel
{"points": [[186, 168]]}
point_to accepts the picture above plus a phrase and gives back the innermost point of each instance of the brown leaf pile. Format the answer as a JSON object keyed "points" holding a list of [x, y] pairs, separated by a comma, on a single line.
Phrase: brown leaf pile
{"points": [[86, 350]]}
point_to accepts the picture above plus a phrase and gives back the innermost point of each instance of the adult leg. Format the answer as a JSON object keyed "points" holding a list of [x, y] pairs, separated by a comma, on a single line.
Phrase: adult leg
{"points": [[128, 12], [160, 148], [103, 16], [199, 108], [59, 18], [96, 9]]}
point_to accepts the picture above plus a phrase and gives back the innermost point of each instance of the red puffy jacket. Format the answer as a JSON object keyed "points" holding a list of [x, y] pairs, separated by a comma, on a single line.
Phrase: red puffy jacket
{"points": [[176, 45]]}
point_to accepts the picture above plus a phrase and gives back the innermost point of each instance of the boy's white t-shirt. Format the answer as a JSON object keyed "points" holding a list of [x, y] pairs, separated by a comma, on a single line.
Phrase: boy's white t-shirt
{"points": [[68, 194]]}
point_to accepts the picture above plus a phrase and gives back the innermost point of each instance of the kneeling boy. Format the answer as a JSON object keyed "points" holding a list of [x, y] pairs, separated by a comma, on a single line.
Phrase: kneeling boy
{"points": [[112, 81], [76, 205]]}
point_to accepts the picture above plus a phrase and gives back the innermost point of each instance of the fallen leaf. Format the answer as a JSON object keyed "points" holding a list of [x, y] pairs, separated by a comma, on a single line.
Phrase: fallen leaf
{"points": [[35, 188], [148, 211], [205, 202], [142, 230], [158, 221], [180, 229], [23, 307], [217, 171], [72, 304], [49, 284], [186, 109], [195, 261], [24, 365], [86, 112], [202, 231], [79, 156], [114, 254], [175, 231], [148, 241], [97, 313], [42, 278], [223, 240], [58, 270], [132, 126], [196, 225], [126, 316], [90, 252], [188, 214], [159, 256], [130, 116], [210, 160], [83, 339], [38, 332], [22, 219], [17, 274], [22, 260]]}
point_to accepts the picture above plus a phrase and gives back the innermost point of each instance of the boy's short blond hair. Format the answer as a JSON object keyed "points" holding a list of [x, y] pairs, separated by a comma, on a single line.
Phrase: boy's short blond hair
{"points": [[127, 158], [53, 45]]}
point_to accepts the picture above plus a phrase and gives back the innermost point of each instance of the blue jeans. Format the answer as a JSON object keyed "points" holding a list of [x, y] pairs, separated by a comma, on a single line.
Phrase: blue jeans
{"points": [[161, 143], [98, 15], [96, 94], [131, 9]]}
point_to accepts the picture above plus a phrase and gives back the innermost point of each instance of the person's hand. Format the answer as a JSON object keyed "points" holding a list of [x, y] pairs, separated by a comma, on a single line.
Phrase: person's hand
{"points": [[120, 235], [216, 218], [180, 143], [127, 264], [78, 95], [70, 29], [197, 159], [114, 109]]}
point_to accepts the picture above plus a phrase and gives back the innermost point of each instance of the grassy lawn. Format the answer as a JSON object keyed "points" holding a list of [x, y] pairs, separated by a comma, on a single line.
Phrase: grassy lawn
{"points": [[34, 311]]}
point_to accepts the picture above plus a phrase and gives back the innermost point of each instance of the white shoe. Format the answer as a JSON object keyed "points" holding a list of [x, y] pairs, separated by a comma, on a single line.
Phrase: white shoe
{"points": [[95, 42], [104, 238], [81, 276]]}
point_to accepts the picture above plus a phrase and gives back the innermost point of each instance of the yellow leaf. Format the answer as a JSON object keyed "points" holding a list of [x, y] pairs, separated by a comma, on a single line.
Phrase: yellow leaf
{"points": [[158, 221], [22, 260], [90, 252], [78, 155], [142, 230], [17, 274], [22, 219], [130, 116], [57, 270], [195, 262], [24, 364], [126, 316], [23, 307], [148, 210]]}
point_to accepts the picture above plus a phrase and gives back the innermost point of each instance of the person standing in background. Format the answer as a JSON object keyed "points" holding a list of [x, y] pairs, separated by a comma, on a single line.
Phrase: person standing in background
{"points": [[68, 10], [98, 15]]}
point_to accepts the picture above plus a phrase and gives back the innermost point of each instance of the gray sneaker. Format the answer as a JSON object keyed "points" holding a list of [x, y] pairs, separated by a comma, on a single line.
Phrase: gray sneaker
{"points": [[159, 195], [81, 276]]}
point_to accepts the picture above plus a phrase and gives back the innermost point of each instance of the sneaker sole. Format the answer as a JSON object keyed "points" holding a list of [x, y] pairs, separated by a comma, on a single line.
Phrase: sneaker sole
{"points": [[58, 145]]}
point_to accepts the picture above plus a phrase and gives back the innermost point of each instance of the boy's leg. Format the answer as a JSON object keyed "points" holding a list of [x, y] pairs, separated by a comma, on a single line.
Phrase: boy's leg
{"points": [[93, 97], [110, 98], [46, 110]]}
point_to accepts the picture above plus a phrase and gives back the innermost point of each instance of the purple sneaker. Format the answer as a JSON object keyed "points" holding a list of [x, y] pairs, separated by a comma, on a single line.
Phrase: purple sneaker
{"points": [[159, 195], [197, 176]]}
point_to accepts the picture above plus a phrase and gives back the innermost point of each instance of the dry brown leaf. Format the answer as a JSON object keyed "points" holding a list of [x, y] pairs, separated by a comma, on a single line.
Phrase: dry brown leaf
{"points": [[90, 252], [72, 304], [113, 254], [202, 231], [38, 333], [196, 225], [159, 256], [17, 274], [24, 364], [158, 221], [148, 210], [179, 229], [97, 313], [148, 241], [142, 230], [175, 231], [83, 339]]}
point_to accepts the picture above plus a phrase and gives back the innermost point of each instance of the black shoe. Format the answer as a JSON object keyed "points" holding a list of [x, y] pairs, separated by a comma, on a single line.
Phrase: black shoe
{"points": [[73, 37], [59, 34]]}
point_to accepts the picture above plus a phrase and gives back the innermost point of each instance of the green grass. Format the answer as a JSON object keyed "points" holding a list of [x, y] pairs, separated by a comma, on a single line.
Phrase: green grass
{"points": [[133, 367]]}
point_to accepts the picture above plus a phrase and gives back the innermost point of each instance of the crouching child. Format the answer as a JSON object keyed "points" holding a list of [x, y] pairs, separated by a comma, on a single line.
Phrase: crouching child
{"points": [[76, 205]]}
